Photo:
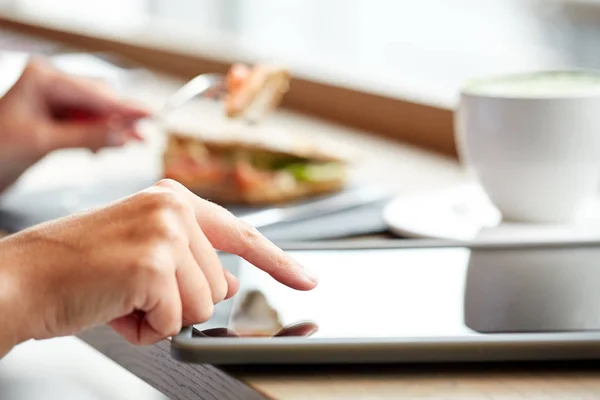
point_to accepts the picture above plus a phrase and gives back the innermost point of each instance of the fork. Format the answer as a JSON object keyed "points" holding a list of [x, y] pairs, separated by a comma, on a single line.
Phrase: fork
{"points": [[198, 86]]}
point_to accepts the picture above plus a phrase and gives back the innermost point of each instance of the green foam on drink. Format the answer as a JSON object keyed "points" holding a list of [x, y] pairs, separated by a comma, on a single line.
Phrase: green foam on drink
{"points": [[537, 84]]}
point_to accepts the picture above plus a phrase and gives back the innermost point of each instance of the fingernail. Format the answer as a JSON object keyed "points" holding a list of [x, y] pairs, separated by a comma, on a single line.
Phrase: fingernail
{"points": [[308, 274], [136, 135]]}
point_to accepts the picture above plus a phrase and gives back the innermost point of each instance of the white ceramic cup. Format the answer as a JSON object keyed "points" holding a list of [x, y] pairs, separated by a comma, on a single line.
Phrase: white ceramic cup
{"points": [[533, 142], [533, 290]]}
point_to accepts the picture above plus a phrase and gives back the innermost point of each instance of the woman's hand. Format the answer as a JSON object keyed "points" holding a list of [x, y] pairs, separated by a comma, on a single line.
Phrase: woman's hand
{"points": [[146, 265], [48, 110]]}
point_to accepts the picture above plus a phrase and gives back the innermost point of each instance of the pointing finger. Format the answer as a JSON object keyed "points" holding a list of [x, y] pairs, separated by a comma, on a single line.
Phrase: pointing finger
{"points": [[230, 234]]}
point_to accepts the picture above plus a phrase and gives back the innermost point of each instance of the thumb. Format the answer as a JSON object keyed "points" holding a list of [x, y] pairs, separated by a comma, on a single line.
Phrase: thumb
{"points": [[93, 135]]}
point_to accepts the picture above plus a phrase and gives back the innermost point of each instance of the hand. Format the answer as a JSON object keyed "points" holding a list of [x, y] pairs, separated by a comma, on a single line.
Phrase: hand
{"points": [[48, 110], [145, 264]]}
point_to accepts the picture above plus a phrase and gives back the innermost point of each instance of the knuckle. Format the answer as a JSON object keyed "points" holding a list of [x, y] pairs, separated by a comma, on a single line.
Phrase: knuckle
{"points": [[164, 199], [163, 227], [282, 261], [163, 213], [169, 184], [248, 234], [152, 264]]}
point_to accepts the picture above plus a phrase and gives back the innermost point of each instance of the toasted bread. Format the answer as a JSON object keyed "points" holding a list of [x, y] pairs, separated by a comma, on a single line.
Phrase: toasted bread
{"points": [[251, 165]]}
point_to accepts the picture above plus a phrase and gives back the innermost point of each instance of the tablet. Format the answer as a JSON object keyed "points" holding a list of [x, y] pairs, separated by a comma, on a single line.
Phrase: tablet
{"points": [[410, 301]]}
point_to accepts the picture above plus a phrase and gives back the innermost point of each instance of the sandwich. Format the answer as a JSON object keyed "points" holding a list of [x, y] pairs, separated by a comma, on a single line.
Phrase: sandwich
{"points": [[246, 163], [252, 167]]}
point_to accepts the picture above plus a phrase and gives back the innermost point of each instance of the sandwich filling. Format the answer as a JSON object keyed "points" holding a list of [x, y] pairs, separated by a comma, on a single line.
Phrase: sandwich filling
{"points": [[254, 91], [251, 169]]}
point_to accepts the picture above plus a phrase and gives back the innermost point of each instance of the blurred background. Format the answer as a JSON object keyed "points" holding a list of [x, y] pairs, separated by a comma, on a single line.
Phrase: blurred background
{"points": [[381, 75], [383, 44]]}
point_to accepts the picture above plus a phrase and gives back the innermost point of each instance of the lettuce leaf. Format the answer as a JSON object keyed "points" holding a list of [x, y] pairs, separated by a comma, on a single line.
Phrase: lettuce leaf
{"points": [[310, 172]]}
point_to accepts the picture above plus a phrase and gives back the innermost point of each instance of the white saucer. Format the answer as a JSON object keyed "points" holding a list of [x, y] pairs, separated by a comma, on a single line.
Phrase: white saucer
{"points": [[465, 213]]}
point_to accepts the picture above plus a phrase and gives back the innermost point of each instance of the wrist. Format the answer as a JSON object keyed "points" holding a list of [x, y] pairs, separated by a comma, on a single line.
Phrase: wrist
{"points": [[14, 299]]}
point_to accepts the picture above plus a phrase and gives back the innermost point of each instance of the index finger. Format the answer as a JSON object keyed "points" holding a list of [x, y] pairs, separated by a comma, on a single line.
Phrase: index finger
{"points": [[228, 233]]}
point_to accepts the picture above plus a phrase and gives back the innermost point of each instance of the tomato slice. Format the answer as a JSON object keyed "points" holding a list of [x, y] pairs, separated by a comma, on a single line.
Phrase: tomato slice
{"points": [[236, 77], [247, 177], [187, 168]]}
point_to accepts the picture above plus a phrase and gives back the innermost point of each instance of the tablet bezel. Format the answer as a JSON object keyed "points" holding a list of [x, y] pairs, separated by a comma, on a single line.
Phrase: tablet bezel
{"points": [[294, 350]]}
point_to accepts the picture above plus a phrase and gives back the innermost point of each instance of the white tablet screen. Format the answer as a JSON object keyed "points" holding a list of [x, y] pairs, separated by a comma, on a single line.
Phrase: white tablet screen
{"points": [[442, 292]]}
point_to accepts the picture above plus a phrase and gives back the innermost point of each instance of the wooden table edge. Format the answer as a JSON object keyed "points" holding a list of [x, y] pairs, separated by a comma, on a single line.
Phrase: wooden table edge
{"points": [[420, 120], [176, 380]]}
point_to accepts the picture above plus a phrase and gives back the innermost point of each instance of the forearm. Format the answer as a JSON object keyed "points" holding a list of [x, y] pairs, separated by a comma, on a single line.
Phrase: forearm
{"points": [[12, 299], [7, 337]]}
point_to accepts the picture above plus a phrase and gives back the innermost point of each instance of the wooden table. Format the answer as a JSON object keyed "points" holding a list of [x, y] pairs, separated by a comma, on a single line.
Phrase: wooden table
{"points": [[445, 381], [534, 381], [410, 169]]}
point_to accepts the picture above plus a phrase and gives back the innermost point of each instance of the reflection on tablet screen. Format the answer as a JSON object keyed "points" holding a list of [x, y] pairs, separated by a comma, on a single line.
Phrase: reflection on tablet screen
{"points": [[382, 293]]}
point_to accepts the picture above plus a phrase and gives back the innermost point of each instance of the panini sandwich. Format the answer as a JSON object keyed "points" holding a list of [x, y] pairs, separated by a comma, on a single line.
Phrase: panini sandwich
{"points": [[256, 169], [245, 163]]}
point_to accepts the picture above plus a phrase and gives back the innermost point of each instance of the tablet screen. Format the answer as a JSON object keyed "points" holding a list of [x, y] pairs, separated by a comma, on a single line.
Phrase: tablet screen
{"points": [[432, 292]]}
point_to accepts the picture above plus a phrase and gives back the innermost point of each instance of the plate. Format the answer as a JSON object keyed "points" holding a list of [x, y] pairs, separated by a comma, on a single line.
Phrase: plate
{"points": [[466, 213]]}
